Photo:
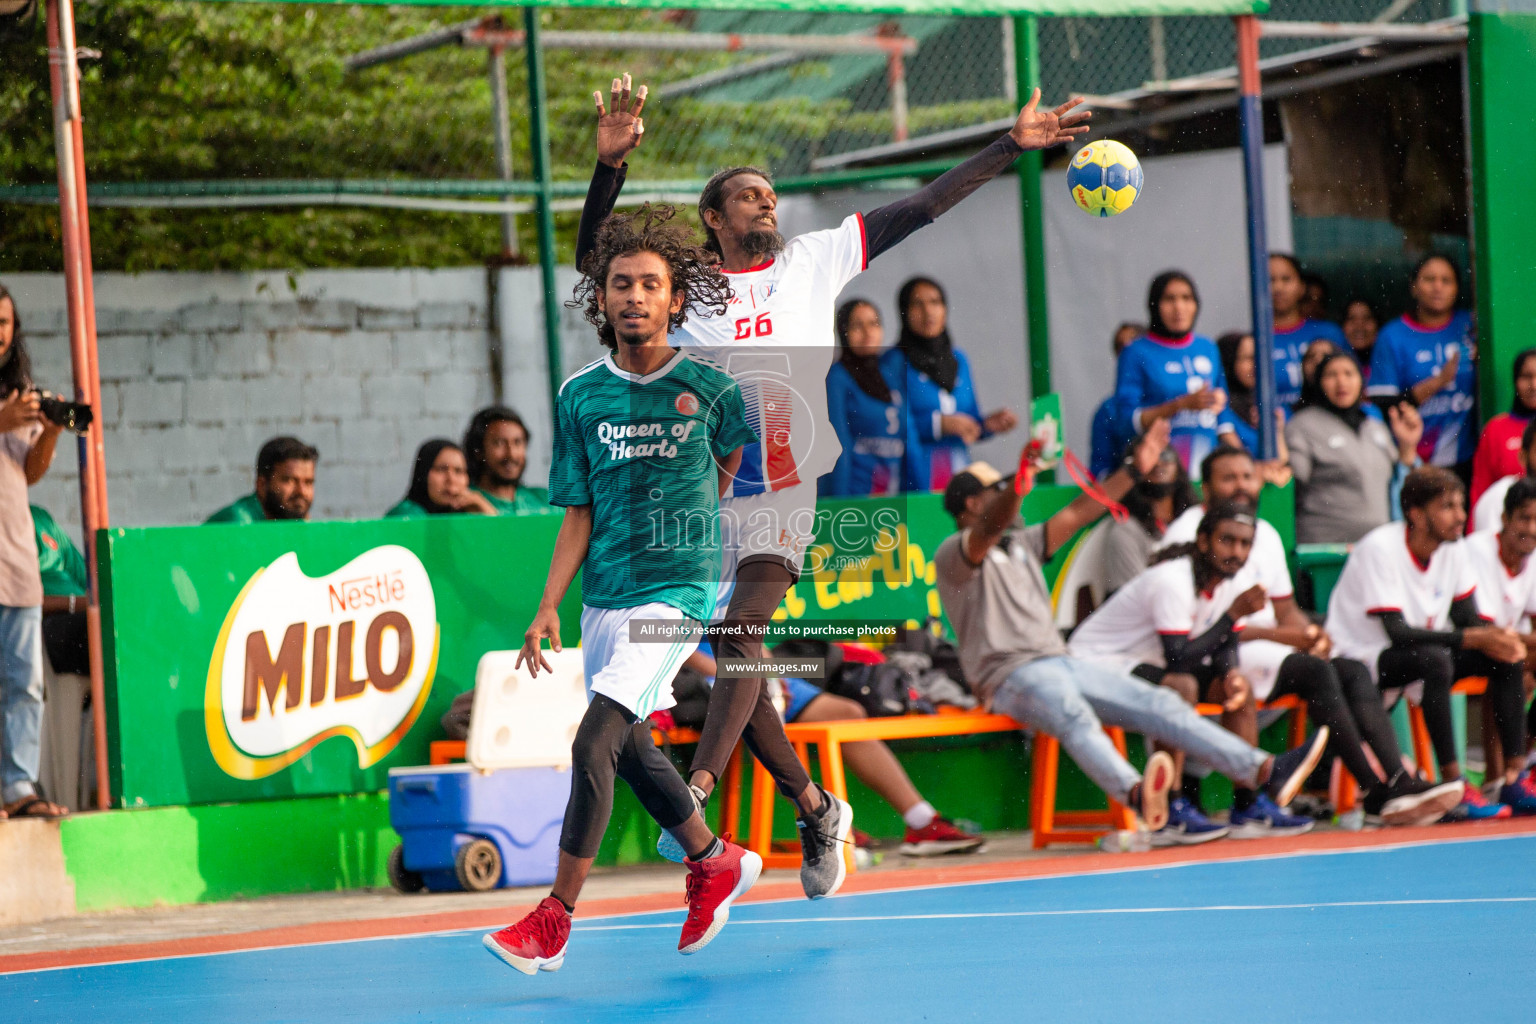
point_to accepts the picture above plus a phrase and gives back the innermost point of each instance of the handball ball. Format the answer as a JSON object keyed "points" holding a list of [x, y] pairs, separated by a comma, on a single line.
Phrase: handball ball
{"points": [[1104, 178]]}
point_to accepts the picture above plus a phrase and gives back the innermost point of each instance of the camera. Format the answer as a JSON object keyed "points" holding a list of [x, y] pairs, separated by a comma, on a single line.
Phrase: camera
{"points": [[72, 416]]}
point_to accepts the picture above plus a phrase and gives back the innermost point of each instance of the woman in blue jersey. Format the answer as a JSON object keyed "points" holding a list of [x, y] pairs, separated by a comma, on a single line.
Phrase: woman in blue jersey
{"points": [[879, 449], [935, 379], [1174, 374], [1294, 332], [1426, 356]]}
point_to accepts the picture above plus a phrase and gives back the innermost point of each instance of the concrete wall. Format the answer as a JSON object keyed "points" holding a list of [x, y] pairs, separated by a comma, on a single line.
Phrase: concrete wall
{"points": [[198, 369]]}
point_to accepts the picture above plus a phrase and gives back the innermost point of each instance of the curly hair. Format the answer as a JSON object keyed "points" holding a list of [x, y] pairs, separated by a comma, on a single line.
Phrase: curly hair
{"points": [[695, 270]]}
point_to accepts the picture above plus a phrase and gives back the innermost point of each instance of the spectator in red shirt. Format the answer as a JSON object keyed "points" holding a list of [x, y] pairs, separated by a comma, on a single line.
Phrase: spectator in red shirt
{"points": [[1498, 450]]}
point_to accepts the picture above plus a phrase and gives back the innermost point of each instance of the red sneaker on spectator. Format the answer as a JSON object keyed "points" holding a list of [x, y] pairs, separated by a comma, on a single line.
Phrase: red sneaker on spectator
{"points": [[713, 885], [537, 942], [939, 837]]}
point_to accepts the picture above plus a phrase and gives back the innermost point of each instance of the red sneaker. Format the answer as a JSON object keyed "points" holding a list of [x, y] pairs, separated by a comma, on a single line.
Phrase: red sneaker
{"points": [[938, 837], [537, 942], [713, 885]]}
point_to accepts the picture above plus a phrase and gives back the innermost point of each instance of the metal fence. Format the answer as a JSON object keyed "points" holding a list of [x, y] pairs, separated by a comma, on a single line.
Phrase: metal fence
{"points": [[231, 106]]}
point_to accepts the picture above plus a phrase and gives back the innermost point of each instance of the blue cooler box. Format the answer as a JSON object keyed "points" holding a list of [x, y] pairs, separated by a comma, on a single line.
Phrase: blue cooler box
{"points": [[450, 815]]}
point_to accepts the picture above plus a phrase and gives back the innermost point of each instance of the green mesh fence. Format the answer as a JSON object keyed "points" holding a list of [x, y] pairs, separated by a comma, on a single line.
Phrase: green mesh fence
{"points": [[235, 99]]}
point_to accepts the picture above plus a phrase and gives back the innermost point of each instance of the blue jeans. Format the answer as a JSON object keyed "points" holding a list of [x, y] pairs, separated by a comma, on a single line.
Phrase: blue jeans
{"points": [[21, 700], [1072, 700]]}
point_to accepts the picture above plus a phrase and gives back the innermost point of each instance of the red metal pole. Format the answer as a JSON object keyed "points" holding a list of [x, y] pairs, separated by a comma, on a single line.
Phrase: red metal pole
{"points": [[69, 152]]}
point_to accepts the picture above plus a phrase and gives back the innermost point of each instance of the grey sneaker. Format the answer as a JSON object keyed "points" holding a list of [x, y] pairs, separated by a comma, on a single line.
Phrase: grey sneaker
{"points": [[670, 848], [823, 837]]}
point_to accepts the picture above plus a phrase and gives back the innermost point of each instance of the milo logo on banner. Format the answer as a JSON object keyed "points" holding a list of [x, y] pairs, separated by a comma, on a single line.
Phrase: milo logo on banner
{"points": [[300, 660]]}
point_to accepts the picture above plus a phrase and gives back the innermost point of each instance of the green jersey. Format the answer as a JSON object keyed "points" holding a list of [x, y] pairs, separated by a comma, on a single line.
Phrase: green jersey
{"points": [[407, 509], [63, 567], [527, 499], [641, 451], [247, 510]]}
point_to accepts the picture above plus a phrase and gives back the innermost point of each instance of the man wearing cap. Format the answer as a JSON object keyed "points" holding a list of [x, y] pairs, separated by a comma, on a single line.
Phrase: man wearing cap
{"points": [[990, 580]]}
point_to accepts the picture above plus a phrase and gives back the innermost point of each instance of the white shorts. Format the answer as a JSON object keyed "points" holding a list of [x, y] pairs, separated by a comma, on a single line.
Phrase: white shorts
{"points": [[1259, 662], [778, 524], [636, 675]]}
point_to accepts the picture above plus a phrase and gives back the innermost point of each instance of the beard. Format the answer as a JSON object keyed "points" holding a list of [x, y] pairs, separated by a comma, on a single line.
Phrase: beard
{"points": [[761, 243], [498, 480], [275, 509]]}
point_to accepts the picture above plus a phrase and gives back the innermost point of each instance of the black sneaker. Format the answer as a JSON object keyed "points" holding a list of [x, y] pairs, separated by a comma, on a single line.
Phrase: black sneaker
{"points": [[1290, 770], [822, 837], [1407, 800]]}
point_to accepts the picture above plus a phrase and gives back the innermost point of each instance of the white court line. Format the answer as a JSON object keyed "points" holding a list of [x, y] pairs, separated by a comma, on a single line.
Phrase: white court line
{"points": [[1217, 908], [1128, 869]]}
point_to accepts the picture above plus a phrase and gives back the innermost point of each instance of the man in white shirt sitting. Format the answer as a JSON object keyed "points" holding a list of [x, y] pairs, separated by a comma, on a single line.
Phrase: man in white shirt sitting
{"points": [[1506, 596]]}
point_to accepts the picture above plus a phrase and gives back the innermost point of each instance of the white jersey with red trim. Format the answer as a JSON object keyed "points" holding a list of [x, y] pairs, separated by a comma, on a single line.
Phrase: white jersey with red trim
{"points": [[1266, 563], [777, 339], [1127, 630], [1382, 575], [1503, 598]]}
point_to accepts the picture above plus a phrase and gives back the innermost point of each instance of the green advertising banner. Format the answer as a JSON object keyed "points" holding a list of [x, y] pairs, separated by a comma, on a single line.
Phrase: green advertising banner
{"points": [[301, 659]]}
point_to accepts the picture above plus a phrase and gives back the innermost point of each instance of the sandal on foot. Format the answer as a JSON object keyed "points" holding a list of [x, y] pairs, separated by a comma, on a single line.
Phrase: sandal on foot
{"points": [[35, 807]]}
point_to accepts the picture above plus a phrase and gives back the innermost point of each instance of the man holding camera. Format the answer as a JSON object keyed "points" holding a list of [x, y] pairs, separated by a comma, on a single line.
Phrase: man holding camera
{"points": [[27, 440]]}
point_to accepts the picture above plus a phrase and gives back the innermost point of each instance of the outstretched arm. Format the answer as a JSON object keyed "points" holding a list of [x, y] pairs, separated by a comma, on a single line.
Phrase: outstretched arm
{"points": [[620, 131], [1085, 508], [887, 225], [570, 551]]}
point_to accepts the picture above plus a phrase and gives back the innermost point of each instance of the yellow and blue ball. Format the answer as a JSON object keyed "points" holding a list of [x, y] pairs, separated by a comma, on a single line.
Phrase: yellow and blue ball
{"points": [[1105, 178]]}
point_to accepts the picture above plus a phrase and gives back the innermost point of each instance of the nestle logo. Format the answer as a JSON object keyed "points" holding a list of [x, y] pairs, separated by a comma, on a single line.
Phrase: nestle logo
{"points": [[366, 592]]}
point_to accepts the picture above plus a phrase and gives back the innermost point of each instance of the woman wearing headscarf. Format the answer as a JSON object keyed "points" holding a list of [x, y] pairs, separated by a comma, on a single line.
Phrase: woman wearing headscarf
{"points": [[1427, 356], [1238, 363], [1346, 461], [935, 379], [439, 484], [1175, 374], [1498, 450], [880, 450], [1295, 332]]}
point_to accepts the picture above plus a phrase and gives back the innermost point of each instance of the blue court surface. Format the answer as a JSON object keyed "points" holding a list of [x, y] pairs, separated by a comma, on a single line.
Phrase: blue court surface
{"points": [[1435, 933]]}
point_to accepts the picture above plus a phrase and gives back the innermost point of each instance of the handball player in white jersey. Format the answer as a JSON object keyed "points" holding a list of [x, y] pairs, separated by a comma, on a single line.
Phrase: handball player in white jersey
{"points": [[776, 338]]}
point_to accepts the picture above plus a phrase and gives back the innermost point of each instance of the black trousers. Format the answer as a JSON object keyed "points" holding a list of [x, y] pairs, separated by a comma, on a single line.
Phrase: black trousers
{"points": [[1438, 667], [612, 741], [740, 708], [1340, 695]]}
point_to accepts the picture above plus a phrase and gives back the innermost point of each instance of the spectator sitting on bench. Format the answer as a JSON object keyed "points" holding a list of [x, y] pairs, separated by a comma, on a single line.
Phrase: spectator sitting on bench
{"points": [[990, 580], [1177, 624], [1406, 607], [68, 686], [1506, 596], [439, 485], [285, 485], [1278, 632], [872, 763]]}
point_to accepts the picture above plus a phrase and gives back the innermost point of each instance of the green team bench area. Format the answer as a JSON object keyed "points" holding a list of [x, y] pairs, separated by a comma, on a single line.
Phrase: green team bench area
{"points": [[262, 680]]}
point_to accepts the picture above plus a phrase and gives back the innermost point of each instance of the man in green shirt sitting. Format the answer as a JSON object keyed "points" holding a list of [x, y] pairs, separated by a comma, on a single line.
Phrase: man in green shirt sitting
{"points": [[285, 485], [64, 774], [496, 446]]}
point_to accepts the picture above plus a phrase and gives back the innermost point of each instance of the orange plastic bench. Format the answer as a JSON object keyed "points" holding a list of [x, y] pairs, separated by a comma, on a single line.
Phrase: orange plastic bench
{"points": [[828, 738], [1423, 746]]}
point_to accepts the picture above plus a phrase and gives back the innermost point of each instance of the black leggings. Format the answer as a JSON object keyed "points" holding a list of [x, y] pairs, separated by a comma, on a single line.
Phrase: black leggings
{"points": [[740, 708], [612, 741], [1339, 694], [1438, 667]]}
